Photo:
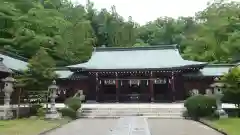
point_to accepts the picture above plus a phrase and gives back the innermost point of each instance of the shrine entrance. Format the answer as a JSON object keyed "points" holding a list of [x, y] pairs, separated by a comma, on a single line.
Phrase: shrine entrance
{"points": [[134, 90], [135, 93], [130, 90]]}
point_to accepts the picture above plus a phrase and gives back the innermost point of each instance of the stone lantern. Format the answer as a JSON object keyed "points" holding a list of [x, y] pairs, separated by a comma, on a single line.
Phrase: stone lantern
{"points": [[7, 89], [194, 92], [218, 94], [208, 92], [52, 113]]}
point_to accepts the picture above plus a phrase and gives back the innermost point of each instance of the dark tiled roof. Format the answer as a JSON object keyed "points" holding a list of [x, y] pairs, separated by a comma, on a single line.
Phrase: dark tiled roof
{"points": [[3, 68], [152, 57], [13, 63]]}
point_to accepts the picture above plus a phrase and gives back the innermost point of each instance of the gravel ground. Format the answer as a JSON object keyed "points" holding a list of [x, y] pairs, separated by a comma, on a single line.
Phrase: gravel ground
{"points": [[86, 127], [179, 127]]}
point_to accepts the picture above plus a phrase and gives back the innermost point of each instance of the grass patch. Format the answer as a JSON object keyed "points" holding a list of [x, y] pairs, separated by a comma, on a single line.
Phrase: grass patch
{"points": [[229, 125], [27, 126]]}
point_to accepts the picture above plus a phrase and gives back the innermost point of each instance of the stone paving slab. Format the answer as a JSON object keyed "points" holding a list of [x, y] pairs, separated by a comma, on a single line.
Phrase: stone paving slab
{"points": [[179, 127], [131, 126], [86, 127]]}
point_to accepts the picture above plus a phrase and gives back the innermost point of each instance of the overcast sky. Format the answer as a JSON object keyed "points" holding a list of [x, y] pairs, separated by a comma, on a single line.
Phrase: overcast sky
{"points": [[143, 11]]}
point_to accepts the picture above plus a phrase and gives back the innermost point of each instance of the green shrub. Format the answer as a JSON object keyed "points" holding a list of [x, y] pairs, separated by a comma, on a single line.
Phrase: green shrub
{"points": [[34, 109], [200, 106], [73, 103], [185, 114], [69, 112], [41, 112]]}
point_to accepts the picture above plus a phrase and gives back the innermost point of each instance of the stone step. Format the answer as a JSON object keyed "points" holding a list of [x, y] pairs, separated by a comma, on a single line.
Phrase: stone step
{"points": [[83, 110], [139, 112], [134, 109], [131, 109], [150, 117], [130, 113]]}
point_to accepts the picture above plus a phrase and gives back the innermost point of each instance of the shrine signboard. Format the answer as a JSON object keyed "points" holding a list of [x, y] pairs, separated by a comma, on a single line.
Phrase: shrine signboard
{"points": [[160, 81], [109, 82]]}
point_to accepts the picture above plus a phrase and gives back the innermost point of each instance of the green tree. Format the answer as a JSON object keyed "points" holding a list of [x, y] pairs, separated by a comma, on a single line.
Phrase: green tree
{"points": [[215, 38], [40, 72], [232, 82]]}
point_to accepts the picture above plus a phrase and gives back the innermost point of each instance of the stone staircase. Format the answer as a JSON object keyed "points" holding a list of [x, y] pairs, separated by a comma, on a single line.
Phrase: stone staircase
{"points": [[115, 112]]}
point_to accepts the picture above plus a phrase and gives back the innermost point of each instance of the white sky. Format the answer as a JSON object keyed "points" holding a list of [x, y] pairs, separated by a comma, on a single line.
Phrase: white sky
{"points": [[143, 11]]}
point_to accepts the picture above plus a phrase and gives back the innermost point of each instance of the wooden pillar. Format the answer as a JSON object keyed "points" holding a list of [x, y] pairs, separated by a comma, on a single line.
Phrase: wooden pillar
{"points": [[97, 87], [173, 86], [151, 86], [117, 88]]}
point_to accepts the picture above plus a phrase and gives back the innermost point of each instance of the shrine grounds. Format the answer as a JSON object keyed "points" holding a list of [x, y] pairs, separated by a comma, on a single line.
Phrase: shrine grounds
{"points": [[91, 126]]}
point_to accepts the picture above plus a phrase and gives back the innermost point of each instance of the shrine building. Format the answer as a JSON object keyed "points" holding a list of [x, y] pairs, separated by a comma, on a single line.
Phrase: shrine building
{"points": [[133, 74], [139, 74]]}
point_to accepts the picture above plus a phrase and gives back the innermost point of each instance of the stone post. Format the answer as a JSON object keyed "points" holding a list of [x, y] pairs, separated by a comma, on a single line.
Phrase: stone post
{"points": [[8, 89], [217, 89], [52, 113]]}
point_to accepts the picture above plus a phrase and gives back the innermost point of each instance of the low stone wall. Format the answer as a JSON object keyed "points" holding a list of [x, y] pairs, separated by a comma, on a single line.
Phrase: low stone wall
{"points": [[22, 112]]}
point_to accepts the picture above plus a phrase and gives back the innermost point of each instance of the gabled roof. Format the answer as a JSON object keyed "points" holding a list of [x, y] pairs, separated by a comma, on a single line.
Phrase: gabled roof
{"points": [[14, 64], [3, 68], [152, 57]]}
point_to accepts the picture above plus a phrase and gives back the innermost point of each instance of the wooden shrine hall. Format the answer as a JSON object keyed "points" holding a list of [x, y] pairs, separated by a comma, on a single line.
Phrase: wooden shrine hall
{"points": [[136, 74]]}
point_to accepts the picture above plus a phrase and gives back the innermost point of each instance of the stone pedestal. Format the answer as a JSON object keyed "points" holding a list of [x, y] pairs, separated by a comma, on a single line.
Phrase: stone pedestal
{"points": [[53, 115], [220, 112]]}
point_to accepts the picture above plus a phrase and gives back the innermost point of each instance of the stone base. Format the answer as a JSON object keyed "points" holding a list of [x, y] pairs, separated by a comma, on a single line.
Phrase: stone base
{"points": [[221, 113], [53, 115], [6, 114]]}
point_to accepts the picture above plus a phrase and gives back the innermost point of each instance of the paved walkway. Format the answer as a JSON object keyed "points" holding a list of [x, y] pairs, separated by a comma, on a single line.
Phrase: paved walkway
{"points": [[156, 127], [179, 127]]}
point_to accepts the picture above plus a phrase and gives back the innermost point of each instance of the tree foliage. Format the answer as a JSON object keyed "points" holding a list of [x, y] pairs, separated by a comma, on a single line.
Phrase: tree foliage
{"points": [[68, 32], [40, 72], [232, 82]]}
